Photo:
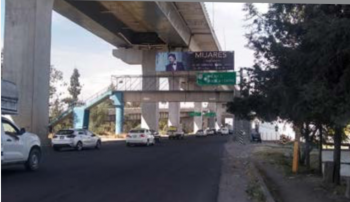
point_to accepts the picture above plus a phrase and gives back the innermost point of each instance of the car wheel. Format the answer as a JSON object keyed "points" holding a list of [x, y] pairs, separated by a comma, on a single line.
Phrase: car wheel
{"points": [[98, 144], [32, 164], [79, 146]]}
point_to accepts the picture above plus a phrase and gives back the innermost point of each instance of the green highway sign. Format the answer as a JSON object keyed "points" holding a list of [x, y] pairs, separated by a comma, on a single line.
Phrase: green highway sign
{"points": [[210, 114], [217, 78], [195, 114]]}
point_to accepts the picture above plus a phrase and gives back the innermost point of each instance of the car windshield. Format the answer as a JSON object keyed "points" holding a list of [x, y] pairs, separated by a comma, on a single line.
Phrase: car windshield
{"points": [[65, 132], [137, 131]]}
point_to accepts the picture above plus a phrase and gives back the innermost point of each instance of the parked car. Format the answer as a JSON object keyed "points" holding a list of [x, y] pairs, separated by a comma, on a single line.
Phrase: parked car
{"points": [[19, 146], [140, 137], [210, 131], [156, 135], [172, 134], [255, 137], [201, 133], [75, 138], [224, 131], [230, 131]]}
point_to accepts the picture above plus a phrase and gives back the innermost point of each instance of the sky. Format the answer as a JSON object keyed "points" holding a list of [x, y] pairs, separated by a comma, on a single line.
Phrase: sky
{"points": [[74, 47]]}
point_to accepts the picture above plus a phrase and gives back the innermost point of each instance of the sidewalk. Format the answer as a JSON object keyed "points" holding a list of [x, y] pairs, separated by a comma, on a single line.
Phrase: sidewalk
{"points": [[295, 188], [235, 175]]}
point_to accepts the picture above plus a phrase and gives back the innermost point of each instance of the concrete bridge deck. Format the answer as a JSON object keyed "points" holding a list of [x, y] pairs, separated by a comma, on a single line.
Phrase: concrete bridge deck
{"points": [[179, 96]]}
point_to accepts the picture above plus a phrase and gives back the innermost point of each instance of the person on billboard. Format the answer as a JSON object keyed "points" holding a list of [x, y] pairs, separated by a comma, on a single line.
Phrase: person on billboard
{"points": [[173, 64]]}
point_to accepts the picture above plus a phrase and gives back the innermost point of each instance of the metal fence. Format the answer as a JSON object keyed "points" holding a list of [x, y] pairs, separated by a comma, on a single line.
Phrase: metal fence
{"points": [[154, 83]]}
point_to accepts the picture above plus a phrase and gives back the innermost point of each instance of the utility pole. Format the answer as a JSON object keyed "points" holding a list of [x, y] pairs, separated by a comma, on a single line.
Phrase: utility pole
{"points": [[295, 166]]}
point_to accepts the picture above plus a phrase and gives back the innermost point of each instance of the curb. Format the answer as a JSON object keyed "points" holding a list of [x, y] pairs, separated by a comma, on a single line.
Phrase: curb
{"points": [[261, 180]]}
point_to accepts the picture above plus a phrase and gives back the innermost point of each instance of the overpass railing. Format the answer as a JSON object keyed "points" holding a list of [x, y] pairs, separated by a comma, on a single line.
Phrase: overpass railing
{"points": [[162, 83]]}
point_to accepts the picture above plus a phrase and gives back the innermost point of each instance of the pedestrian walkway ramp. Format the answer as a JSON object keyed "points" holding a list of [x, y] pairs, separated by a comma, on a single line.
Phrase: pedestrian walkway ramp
{"points": [[155, 88]]}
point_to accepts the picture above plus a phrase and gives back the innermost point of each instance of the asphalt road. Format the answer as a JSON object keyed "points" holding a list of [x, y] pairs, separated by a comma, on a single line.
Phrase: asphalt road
{"points": [[172, 171]]}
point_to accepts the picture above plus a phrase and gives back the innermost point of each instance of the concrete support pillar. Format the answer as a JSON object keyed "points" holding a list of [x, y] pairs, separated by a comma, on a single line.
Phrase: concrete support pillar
{"points": [[174, 114], [197, 120], [174, 107], [81, 117], [27, 45], [242, 125], [211, 120], [149, 111], [118, 102], [219, 110]]}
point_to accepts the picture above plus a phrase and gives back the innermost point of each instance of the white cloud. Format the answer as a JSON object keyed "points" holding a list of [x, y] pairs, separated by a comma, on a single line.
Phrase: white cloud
{"points": [[95, 69]]}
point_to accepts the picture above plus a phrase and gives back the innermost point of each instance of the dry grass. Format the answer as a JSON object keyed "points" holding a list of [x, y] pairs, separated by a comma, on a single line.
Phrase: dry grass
{"points": [[280, 156], [254, 189]]}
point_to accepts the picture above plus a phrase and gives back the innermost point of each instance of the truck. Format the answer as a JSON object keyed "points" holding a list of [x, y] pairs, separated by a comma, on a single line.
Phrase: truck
{"points": [[18, 147]]}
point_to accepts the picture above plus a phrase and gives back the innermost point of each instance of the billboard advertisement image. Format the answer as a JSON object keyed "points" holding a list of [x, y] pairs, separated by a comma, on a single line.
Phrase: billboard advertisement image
{"points": [[195, 61]]}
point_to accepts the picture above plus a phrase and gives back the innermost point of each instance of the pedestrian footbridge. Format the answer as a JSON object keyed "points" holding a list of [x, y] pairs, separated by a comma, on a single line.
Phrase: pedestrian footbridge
{"points": [[143, 89]]}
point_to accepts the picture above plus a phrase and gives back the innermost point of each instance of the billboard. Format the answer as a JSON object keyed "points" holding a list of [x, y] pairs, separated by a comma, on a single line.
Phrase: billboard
{"points": [[195, 61]]}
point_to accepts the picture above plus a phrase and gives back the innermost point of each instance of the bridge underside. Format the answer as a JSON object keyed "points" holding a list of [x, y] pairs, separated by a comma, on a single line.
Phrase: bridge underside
{"points": [[145, 27], [136, 24], [178, 96]]}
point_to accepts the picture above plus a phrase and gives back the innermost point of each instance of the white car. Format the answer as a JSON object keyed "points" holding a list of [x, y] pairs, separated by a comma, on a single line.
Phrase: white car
{"points": [[224, 131], [19, 146], [173, 134], [140, 136], [201, 133], [210, 131], [75, 138]]}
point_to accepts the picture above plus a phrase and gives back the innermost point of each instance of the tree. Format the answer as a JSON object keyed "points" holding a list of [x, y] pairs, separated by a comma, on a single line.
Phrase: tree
{"points": [[98, 117], [56, 77], [74, 88], [55, 103], [301, 71]]}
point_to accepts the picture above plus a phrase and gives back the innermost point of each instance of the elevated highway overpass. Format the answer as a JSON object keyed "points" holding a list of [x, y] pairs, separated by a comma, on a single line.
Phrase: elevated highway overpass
{"points": [[138, 30], [144, 24]]}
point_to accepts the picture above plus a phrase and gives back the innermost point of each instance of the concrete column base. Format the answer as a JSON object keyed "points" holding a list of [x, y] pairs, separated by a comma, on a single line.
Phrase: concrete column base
{"points": [[149, 110], [219, 110], [174, 115], [197, 120], [150, 116], [27, 47]]}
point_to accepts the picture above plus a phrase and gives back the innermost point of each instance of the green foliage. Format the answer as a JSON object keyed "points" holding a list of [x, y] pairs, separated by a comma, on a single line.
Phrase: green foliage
{"points": [[302, 67], [56, 76], [99, 118], [55, 102], [163, 125], [74, 88], [130, 124]]}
